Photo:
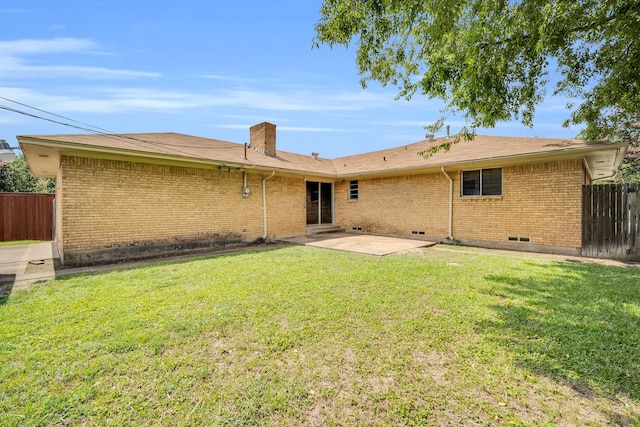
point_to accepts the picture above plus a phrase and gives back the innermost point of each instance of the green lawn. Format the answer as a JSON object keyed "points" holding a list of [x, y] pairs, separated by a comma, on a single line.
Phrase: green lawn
{"points": [[19, 242], [303, 336]]}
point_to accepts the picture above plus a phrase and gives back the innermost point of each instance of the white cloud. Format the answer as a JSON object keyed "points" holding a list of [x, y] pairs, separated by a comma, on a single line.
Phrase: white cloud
{"points": [[300, 100], [253, 118], [36, 46], [310, 129], [284, 128], [409, 123], [246, 99], [14, 64], [125, 100], [14, 68], [245, 126], [229, 78]]}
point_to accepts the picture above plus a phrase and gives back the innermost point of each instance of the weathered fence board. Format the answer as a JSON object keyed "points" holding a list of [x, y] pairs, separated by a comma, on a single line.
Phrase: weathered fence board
{"points": [[26, 216], [610, 216]]}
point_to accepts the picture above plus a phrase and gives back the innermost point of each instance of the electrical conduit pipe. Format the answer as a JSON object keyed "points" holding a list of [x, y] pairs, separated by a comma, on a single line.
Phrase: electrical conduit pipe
{"points": [[264, 203], [450, 237]]}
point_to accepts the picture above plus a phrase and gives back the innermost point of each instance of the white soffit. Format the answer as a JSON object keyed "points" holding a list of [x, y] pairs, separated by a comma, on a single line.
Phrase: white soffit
{"points": [[604, 164]]}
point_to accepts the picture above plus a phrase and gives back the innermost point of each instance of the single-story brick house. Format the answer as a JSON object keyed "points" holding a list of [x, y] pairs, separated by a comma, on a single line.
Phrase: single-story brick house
{"points": [[135, 195]]}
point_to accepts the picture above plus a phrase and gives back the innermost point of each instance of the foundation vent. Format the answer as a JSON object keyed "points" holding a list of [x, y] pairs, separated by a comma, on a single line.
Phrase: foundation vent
{"points": [[519, 239]]}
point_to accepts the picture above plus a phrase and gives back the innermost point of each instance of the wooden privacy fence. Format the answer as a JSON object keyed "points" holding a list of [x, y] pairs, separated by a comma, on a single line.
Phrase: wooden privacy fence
{"points": [[26, 216], [611, 221]]}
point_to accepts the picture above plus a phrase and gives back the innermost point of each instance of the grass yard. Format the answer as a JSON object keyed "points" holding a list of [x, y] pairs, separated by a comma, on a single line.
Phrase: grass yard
{"points": [[19, 242], [304, 336]]}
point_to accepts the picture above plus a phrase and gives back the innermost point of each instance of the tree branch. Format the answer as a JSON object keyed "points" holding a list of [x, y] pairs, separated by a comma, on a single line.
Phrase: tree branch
{"points": [[563, 33]]}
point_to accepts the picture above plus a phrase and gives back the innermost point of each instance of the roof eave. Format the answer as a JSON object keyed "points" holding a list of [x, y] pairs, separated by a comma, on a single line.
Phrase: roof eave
{"points": [[70, 148], [564, 154]]}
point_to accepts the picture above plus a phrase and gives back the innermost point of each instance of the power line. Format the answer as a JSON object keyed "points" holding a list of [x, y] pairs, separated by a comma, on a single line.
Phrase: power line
{"points": [[90, 128], [108, 135], [13, 110], [54, 114]]}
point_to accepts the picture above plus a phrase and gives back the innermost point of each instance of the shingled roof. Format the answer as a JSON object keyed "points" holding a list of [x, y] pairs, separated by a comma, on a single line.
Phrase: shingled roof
{"points": [[483, 150], [176, 146]]}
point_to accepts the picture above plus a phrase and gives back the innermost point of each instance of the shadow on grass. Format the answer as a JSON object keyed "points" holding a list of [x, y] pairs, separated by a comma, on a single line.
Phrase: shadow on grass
{"points": [[579, 324], [98, 269], [6, 285]]}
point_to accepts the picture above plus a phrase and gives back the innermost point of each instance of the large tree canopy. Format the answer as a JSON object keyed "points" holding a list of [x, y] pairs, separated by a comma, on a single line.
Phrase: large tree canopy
{"points": [[493, 60], [630, 170]]}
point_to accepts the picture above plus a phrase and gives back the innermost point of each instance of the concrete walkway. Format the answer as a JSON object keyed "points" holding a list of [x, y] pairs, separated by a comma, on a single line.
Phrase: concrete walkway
{"points": [[22, 265]]}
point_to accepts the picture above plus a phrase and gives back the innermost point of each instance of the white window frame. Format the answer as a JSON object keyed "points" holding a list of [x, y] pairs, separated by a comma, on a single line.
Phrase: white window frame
{"points": [[353, 193]]}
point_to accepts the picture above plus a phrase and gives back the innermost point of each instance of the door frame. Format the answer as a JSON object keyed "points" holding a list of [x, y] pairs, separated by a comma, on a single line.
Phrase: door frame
{"points": [[321, 196]]}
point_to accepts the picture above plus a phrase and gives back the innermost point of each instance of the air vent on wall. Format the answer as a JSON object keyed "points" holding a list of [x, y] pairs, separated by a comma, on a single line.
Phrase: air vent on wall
{"points": [[519, 239]]}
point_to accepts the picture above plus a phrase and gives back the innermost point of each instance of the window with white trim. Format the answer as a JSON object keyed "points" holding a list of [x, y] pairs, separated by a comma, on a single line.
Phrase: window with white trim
{"points": [[353, 190], [482, 182]]}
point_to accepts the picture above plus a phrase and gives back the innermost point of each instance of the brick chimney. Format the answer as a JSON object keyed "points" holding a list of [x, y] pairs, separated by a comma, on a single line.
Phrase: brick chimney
{"points": [[262, 138]]}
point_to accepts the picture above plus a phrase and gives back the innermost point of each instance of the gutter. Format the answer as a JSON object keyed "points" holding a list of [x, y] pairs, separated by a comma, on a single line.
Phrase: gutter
{"points": [[498, 161], [173, 158], [73, 149], [264, 203], [450, 237], [180, 159]]}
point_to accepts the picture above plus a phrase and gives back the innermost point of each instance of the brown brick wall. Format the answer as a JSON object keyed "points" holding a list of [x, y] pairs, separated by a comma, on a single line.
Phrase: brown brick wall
{"points": [[539, 201], [286, 206], [109, 203], [396, 205]]}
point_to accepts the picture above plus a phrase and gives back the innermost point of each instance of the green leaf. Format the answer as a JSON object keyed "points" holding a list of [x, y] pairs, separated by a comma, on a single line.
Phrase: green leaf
{"points": [[490, 59]]}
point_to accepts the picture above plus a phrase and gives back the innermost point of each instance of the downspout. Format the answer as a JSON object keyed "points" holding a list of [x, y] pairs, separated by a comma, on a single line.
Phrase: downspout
{"points": [[450, 203], [264, 202]]}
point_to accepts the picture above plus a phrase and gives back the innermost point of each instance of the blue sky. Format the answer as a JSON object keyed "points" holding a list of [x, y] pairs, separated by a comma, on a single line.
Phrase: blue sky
{"points": [[209, 69]]}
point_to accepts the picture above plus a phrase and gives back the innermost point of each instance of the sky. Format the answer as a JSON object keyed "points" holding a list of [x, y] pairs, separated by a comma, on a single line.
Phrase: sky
{"points": [[210, 69]]}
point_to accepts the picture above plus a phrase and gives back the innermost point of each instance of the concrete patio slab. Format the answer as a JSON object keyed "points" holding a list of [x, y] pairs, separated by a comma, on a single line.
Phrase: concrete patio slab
{"points": [[22, 265], [368, 244]]}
